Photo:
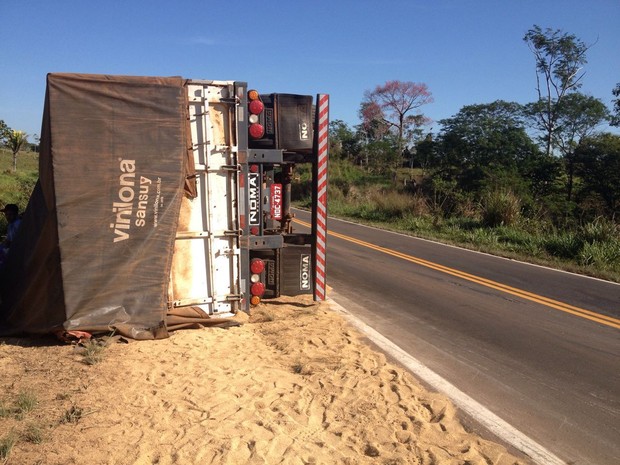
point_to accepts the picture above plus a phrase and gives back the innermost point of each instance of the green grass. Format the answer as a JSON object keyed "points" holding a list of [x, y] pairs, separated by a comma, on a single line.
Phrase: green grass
{"points": [[27, 162], [17, 187], [495, 226], [560, 249], [26, 401]]}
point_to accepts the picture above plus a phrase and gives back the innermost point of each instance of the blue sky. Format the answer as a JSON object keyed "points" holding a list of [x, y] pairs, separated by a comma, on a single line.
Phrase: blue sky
{"points": [[466, 51]]}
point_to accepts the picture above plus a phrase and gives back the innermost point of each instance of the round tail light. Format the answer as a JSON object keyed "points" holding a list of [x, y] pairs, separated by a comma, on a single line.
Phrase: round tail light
{"points": [[256, 107], [257, 266], [257, 289], [256, 131]]}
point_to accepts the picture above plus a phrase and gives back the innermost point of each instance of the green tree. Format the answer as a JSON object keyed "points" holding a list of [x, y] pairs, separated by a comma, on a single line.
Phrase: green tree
{"points": [[344, 142], [559, 60], [15, 140], [380, 157], [424, 154], [598, 164], [615, 117], [4, 131], [578, 117], [484, 145]]}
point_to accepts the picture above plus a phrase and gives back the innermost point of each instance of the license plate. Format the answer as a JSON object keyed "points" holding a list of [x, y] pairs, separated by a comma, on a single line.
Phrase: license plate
{"points": [[276, 201]]}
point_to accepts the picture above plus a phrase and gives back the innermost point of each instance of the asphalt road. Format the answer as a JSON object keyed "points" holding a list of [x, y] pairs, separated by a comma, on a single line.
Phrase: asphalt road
{"points": [[537, 347]]}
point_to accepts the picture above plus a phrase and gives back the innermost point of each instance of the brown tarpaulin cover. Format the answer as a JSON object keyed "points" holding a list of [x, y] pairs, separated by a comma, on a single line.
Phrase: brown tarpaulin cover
{"points": [[96, 241]]}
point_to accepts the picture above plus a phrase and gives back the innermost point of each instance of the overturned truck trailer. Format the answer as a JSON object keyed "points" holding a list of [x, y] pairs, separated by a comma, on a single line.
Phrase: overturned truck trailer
{"points": [[163, 203]]}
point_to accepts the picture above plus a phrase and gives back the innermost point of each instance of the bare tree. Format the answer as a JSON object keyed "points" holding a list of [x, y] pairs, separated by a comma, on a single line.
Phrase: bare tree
{"points": [[389, 106]]}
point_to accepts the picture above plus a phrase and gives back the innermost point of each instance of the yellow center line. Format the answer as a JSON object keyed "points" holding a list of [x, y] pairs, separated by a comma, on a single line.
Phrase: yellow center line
{"points": [[564, 307]]}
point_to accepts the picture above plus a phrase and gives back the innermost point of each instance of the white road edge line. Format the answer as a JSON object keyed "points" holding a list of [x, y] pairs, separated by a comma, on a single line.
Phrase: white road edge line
{"points": [[484, 416]]}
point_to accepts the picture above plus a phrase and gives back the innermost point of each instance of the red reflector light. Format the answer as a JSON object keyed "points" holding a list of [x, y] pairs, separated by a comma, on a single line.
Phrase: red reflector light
{"points": [[257, 289], [256, 130], [254, 168], [254, 231], [257, 266], [256, 107]]}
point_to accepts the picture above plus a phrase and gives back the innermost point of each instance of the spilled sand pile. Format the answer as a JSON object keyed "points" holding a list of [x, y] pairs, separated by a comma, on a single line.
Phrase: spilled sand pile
{"points": [[293, 385]]}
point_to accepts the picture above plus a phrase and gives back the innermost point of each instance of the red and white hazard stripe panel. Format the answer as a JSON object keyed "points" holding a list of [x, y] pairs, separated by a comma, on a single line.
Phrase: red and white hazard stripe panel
{"points": [[321, 215]]}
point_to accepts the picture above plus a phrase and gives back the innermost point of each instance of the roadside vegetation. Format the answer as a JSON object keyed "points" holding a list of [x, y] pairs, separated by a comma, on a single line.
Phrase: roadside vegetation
{"points": [[538, 182], [16, 186], [497, 223]]}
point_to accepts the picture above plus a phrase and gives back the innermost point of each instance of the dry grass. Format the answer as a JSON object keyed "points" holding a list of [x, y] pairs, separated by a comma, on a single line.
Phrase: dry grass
{"points": [[33, 433], [72, 415], [26, 402], [6, 446], [93, 350]]}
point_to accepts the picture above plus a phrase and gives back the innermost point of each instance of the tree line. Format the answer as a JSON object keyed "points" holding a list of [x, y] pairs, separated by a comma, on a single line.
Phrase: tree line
{"points": [[550, 154]]}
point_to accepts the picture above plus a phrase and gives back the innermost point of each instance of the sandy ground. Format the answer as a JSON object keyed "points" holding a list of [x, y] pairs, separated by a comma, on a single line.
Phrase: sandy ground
{"points": [[293, 385]]}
